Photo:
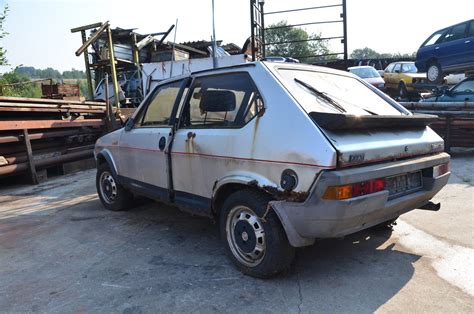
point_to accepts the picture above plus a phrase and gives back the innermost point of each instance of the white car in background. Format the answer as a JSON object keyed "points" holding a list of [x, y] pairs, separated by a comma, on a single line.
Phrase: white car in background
{"points": [[369, 74]]}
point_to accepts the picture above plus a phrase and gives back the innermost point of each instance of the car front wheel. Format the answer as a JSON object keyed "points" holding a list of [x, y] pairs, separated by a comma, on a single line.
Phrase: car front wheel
{"points": [[434, 73], [253, 235], [111, 194]]}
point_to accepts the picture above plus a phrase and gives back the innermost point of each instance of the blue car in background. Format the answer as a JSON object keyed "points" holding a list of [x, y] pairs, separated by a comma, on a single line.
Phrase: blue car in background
{"points": [[450, 50], [464, 91]]}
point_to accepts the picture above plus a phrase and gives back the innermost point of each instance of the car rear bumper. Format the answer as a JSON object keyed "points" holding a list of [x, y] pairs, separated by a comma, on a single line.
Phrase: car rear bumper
{"points": [[321, 218]]}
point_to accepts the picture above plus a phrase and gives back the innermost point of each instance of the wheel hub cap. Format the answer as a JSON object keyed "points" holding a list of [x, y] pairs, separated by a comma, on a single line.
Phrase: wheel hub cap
{"points": [[108, 187], [246, 236]]}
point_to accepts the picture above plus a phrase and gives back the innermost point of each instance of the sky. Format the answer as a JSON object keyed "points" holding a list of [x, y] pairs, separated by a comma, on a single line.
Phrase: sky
{"points": [[39, 30]]}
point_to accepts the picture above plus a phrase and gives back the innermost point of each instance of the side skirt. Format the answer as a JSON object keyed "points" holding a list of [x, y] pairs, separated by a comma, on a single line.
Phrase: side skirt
{"points": [[187, 202]]}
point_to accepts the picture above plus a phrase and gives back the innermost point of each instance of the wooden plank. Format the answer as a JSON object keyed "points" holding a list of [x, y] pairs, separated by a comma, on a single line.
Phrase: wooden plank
{"points": [[50, 101], [29, 154], [93, 38], [46, 124], [85, 27], [58, 110]]}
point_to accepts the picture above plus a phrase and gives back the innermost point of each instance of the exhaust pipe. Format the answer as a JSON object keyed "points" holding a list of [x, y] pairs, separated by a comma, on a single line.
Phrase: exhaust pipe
{"points": [[431, 206]]}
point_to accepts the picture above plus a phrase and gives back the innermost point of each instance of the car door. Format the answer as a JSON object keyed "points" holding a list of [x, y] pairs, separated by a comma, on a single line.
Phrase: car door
{"points": [[392, 79], [451, 51], [143, 160], [208, 141], [469, 45]]}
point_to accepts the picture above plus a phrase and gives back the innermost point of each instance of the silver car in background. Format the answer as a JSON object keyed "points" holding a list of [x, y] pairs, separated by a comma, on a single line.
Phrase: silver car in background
{"points": [[369, 74]]}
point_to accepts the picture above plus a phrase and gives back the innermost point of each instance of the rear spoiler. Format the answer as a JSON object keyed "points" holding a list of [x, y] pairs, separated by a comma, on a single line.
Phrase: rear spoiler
{"points": [[337, 121]]}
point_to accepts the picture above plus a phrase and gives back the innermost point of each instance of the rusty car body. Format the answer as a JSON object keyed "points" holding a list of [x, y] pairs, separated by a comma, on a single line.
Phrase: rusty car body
{"points": [[281, 154]]}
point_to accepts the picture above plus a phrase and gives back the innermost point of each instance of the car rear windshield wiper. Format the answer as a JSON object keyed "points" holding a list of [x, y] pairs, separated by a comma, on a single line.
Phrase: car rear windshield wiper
{"points": [[321, 95]]}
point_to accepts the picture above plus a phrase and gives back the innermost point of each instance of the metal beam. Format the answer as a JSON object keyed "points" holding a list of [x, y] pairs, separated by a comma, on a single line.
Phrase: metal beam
{"points": [[113, 68], [88, 67], [47, 124]]}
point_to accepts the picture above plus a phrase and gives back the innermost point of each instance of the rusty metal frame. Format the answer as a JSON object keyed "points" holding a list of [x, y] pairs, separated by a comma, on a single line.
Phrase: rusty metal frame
{"points": [[258, 43]]}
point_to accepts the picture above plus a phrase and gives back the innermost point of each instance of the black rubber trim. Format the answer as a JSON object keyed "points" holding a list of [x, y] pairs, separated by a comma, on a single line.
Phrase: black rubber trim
{"points": [[336, 121]]}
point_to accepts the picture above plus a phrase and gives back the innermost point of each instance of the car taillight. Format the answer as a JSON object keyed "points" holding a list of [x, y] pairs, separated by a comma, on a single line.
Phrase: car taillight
{"points": [[440, 170], [353, 190]]}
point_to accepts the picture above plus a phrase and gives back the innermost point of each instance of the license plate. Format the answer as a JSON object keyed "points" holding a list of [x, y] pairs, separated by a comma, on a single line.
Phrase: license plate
{"points": [[403, 184]]}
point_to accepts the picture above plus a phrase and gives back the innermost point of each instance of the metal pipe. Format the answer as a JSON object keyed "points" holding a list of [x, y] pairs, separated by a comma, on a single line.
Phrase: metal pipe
{"points": [[438, 105], [6, 170], [344, 16], [214, 44], [173, 51], [37, 136]]}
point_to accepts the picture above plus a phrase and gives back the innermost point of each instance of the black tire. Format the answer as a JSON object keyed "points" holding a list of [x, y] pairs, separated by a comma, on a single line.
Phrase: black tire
{"points": [[244, 236], [402, 91], [111, 194], [434, 73]]}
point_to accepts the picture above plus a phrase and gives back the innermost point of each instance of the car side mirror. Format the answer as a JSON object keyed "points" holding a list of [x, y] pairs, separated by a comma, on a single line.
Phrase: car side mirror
{"points": [[129, 124]]}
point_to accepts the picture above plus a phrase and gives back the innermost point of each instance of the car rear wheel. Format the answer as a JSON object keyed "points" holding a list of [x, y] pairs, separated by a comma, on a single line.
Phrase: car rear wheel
{"points": [[253, 235], [434, 73], [111, 194]]}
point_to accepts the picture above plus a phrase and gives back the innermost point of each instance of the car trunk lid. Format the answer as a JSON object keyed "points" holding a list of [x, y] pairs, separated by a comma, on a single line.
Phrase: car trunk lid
{"points": [[370, 139]]}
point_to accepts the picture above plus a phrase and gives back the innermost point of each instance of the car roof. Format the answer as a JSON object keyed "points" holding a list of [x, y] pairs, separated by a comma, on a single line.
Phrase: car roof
{"points": [[361, 67], [445, 28]]}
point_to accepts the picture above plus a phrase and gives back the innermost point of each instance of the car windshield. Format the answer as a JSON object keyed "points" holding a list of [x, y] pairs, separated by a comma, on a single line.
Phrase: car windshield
{"points": [[365, 72], [409, 68], [353, 96]]}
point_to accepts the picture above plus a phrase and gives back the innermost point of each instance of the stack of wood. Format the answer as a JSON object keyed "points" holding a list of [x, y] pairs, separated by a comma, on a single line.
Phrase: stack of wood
{"points": [[455, 121], [43, 133], [61, 91]]}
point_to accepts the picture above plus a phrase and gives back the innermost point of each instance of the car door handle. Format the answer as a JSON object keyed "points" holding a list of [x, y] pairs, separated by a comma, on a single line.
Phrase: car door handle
{"points": [[190, 136], [436, 48], [467, 41]]}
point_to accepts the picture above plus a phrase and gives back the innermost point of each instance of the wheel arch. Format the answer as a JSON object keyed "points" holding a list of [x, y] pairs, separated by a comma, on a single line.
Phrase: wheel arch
{"points": [[224, 187], [106, 157]]}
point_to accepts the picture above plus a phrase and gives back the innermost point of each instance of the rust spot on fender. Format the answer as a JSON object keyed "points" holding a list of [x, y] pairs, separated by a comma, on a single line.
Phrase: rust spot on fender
{"points": [[290, 196]]}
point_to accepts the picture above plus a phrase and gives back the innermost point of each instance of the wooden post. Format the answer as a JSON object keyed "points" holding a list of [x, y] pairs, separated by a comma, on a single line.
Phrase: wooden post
{"points": [[113, 71], [29, 152], [447, 138], [88, 69]]}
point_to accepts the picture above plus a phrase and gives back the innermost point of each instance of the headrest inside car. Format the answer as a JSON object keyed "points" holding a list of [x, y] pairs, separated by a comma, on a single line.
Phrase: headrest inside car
{"points": [[217, 101]]}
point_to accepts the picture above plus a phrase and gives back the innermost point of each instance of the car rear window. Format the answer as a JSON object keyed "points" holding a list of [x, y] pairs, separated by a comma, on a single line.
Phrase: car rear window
{"points": [[348, 94]]}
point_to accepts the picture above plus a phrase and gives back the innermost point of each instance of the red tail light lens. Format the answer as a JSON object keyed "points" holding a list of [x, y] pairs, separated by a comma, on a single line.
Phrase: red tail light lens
{"points": [[354, 190]]}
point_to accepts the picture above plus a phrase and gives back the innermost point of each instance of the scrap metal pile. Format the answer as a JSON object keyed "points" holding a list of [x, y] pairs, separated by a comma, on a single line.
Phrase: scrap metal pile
{"points": [[42, 133], [455, 121]]}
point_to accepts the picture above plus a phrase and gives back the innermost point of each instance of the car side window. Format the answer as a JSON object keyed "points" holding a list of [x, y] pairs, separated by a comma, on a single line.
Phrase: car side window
{"points": [[464, 87], [228, 100], [455, 33], [471, 29], [397, 67], [435, 38], [159, 108]]}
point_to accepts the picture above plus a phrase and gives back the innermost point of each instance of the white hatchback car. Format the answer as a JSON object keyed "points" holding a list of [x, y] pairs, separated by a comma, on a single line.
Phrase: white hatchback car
{"points": [[281, 154]]}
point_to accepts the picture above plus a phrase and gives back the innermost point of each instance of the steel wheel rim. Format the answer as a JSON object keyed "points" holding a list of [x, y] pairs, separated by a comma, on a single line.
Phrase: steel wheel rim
{"points": [[241, 239], [433, 73], [108, 187]]}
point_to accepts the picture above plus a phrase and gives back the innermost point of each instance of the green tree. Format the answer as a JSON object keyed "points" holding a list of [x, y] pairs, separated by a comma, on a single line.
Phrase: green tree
{"points": [[17, 85], [284, 41], [368, 53], [3, 52]]}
